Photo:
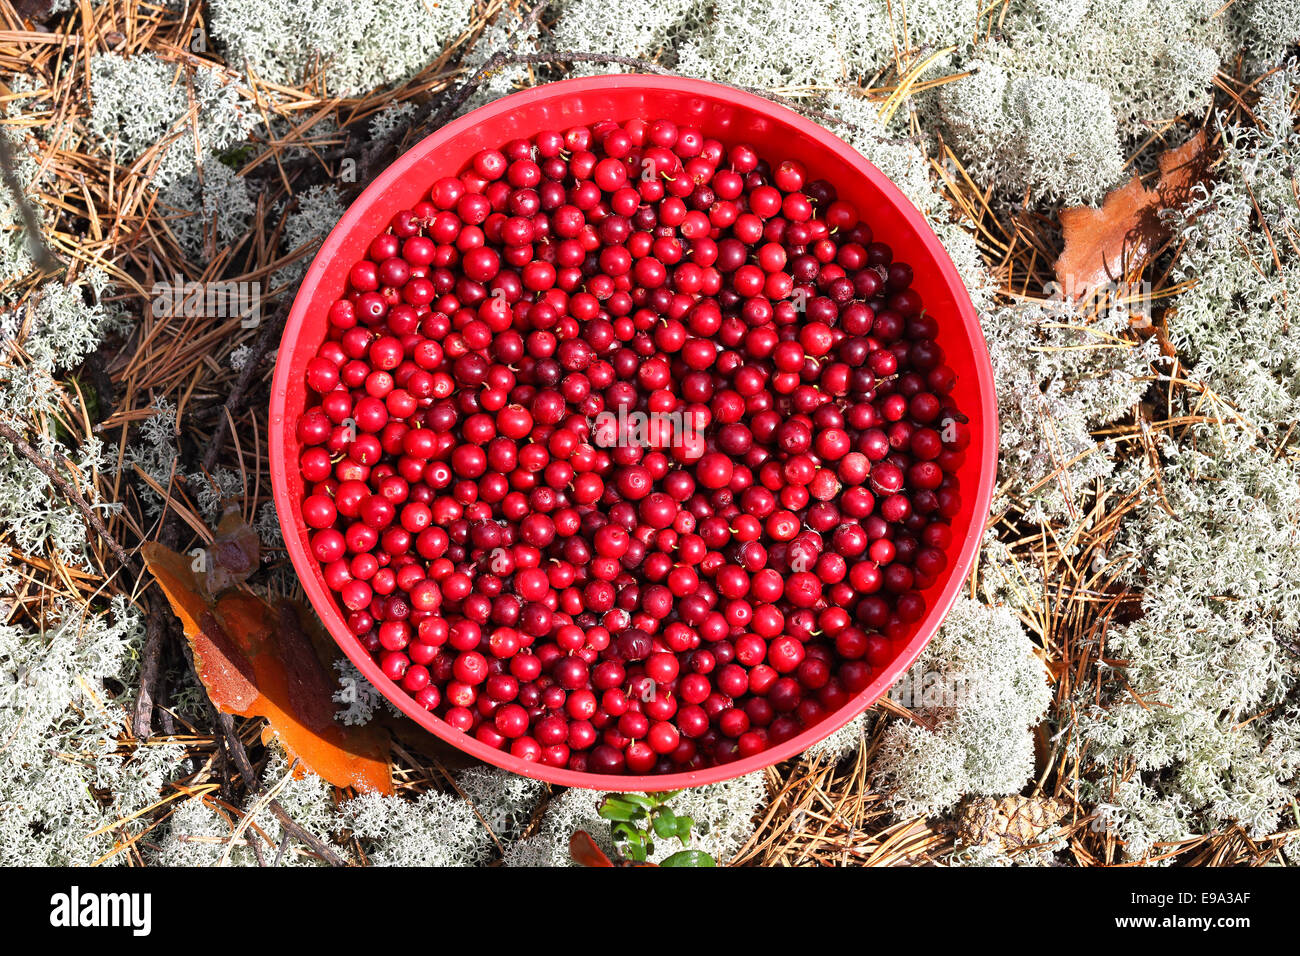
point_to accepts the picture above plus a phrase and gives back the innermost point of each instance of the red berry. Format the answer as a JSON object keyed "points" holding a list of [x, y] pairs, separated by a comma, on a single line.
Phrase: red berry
{"points": [[588, 483]]}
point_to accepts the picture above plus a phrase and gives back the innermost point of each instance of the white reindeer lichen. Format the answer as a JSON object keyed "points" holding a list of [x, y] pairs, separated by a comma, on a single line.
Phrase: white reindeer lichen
{"points": [[358, 45], [142, 102]]}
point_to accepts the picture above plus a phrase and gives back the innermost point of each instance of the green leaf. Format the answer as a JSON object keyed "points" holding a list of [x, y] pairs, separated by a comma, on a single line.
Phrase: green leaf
{"points": [[625, 831], [684, 825], [637, 848], [644, 802], [689, 858], [616, 808], [665, 823]]}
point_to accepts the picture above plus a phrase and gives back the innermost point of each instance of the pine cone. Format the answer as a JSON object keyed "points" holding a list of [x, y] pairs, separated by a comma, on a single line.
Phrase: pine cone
{"points": [[1013, 822]]}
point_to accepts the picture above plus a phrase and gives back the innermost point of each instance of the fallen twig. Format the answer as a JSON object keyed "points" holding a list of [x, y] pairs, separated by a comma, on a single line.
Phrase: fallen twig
{"points": [[234, 403], [245, 767], [157, 626], [234, 749], [67, 489], [44, 258], [501, 59]]}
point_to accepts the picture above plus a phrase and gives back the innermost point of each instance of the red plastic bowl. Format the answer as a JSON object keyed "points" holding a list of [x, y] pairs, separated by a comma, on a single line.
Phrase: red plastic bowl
{"points": [[729, 115]]}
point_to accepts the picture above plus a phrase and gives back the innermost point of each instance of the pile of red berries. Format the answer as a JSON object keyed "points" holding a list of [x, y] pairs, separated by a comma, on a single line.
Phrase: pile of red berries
{"points": [[631, 452]]}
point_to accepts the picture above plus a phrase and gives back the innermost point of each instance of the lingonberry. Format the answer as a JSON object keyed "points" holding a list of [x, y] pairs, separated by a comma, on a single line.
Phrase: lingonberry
{"points": [[589, 483]]}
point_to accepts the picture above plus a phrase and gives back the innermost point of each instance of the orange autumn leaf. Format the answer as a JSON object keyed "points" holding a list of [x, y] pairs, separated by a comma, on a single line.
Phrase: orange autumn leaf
{"points": [[585, 852], [222, 665], [257, 660], [1101, 245]]}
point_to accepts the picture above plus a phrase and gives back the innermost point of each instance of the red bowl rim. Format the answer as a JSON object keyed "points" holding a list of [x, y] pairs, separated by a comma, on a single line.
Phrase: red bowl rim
{"points": [[308, 569]]}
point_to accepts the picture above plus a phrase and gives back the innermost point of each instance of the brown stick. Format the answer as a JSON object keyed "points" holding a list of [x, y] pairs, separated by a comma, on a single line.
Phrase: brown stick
{"points": [[233, 751], [41, 253], [426, 120], [245, 767], [234, 403], [156, 619], [158, 624], [425, 117], [502, 59], [67, 489], [432, 120]]}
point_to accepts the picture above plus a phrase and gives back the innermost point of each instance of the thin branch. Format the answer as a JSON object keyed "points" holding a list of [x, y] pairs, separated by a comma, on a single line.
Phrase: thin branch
{"points": [[158, 625], [428, 117], [67, 489], [234, 403], [457, 99], [224, 721], [502, 59], [156, 619], [234, 750], [41, 253], [245, 768]]}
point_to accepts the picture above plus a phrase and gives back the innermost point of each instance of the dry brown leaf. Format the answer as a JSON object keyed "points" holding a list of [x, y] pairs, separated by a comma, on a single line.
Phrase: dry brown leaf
{"points": [[585, 852], [1101, 245], [38, 11], [259, 660], [234, 554]]}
